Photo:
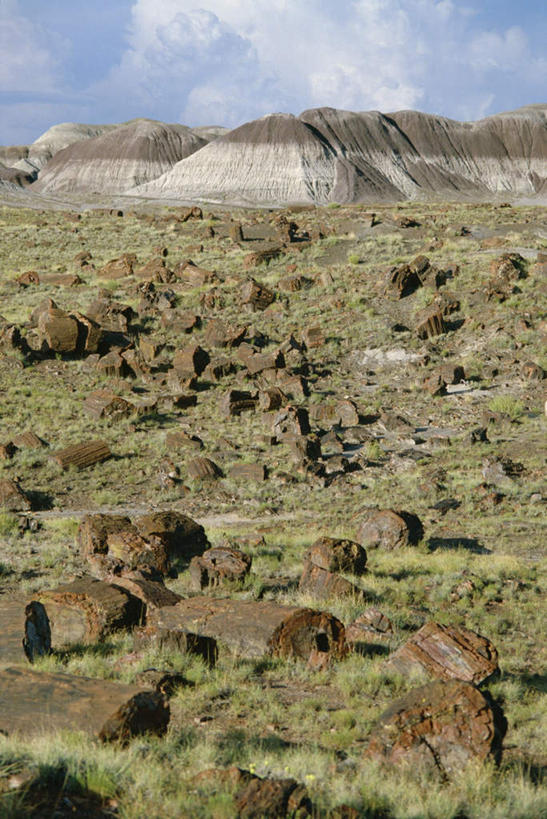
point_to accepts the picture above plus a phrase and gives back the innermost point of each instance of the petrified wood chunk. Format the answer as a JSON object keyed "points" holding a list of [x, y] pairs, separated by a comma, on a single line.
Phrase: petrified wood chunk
{"points": [[59, 330], [322, 583], [431, 324], [336, 555], [217, 565], [248, 472], [82, 455], [271, 398], [255, 628], [32, 703], [190, 361], [291, 421], [254, 797], [158, 636], [371, 626], [152, 593], [86, 611], [13, 498], [203, 469], [390, 529], [402, 280], [182, 537], [257, 295], [443, 725], [447, 652], [234, 402], [106, 404]]}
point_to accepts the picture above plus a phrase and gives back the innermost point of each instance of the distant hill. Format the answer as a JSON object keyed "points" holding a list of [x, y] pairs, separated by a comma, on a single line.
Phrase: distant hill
{"points": [[119, 159], [329, 155]]}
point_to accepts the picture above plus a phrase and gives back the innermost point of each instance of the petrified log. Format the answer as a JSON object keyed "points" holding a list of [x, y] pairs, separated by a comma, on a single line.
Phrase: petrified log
{"points": [[443, 725], [336, 555], [113, 365], [447, 652], [390, 529], [313, 337], [82, 455], [32, 703], [59, 330], [13, 498], [106, 404], [402, 280], [322, 583], [259, 362], [257, 295], [255, 628], [86, 611], [220, 334], [118, 268], [217, 565], [370, 625], [271, 398]]}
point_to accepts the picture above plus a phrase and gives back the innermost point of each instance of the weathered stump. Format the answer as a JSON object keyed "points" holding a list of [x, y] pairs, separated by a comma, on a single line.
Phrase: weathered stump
{"points": [[33, 703], [447, 652], [442, 725], [257, 628]]}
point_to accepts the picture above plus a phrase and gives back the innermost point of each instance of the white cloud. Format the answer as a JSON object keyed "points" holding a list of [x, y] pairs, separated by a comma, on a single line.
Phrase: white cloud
{"points": [[230, 61]]}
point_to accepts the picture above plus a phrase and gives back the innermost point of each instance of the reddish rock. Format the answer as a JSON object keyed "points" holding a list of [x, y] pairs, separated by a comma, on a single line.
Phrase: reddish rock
{"points": [[447, 652], [321, 583], [442, 725]]}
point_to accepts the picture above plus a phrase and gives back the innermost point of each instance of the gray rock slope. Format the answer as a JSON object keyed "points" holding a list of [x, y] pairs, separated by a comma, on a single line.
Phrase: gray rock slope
{"points": [[122, 157], [330, 155]]}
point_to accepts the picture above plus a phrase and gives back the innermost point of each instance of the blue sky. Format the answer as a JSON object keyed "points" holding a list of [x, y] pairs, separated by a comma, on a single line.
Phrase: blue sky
{"points": [[227, 61]]}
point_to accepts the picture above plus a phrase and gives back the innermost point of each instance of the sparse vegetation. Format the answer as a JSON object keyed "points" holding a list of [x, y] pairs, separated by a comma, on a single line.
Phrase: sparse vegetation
{"points": [[480, 564]]}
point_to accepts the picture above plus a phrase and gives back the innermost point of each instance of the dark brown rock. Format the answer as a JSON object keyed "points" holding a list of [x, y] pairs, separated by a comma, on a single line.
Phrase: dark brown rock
{"points": [[442, 725], [202, 469], [257, 295], [401, 281], [447, 652], [430, 323], [190, 361], [106, 404], [248, 472], [253, 797], [234, 402], [291, 421], [12, 497], [219, 565], [390, 529], [370, 626], [336, 555]]}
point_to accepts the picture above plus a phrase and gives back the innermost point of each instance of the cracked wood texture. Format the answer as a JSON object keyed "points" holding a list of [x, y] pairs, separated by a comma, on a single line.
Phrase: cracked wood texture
{"points": [[447, 652], [443, 725], [33, 703], [257, 628]]}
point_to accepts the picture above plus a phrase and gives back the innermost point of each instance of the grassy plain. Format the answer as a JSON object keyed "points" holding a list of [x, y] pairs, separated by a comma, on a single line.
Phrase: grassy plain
{"points": [[276, 717]]}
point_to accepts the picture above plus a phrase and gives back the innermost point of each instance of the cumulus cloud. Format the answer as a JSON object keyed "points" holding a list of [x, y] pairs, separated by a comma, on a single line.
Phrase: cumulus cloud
{"points": [[223, 61], [228, 61]]}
